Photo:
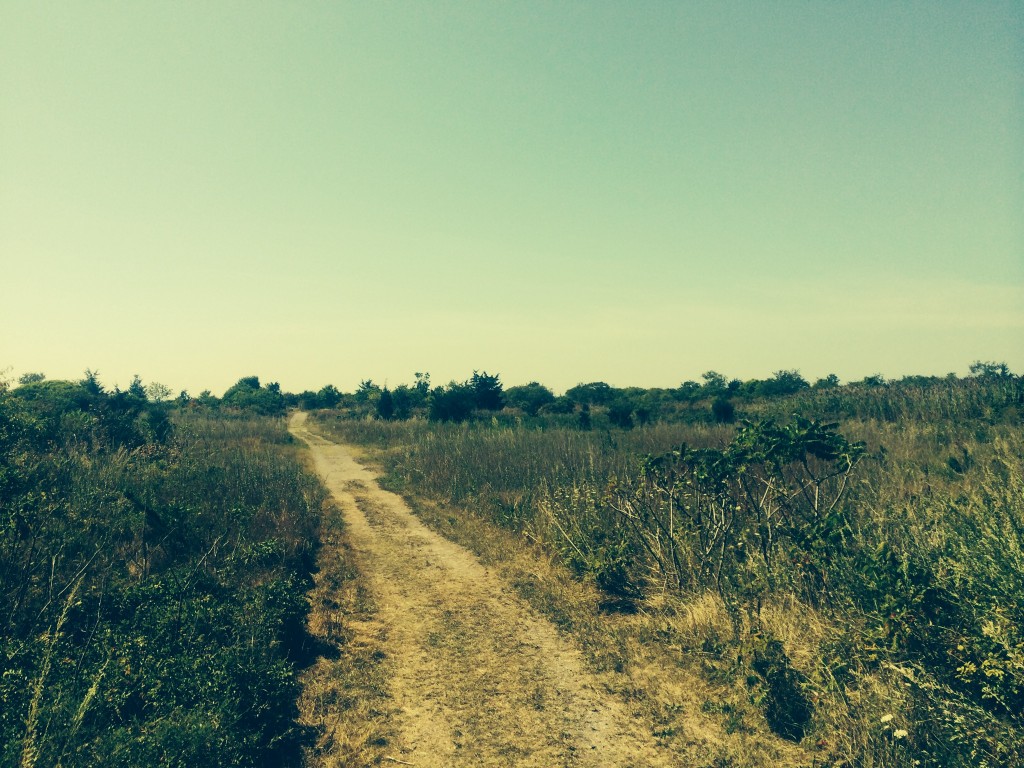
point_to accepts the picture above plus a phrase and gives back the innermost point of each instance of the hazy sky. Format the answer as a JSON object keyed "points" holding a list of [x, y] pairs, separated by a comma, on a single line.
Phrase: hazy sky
{"points": [[633, 192]]}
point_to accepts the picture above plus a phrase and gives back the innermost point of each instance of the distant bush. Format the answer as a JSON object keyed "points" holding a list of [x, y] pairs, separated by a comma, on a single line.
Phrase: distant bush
{"points": [[595, 393], [723, 411], [385, 405], [248, 395], [529, 398], [620, 414], [488, 392], [782, 383], [81, 412], [452, 403]]}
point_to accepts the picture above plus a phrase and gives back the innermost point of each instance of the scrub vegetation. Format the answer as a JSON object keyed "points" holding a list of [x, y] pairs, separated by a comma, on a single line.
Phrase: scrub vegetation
{"points": [[844, 562], [764, 571], [153, 570]]}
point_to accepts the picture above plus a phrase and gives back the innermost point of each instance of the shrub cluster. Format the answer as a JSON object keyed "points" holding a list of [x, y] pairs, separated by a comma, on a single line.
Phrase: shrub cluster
{"points": [[151, 583]]}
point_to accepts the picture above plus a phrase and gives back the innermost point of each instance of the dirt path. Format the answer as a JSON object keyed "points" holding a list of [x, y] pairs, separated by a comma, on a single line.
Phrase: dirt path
{"points": [[478, 678]]}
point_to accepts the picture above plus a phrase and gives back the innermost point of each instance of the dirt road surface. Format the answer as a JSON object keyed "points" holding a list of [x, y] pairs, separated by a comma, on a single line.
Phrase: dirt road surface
{"points": [[478, 678]]}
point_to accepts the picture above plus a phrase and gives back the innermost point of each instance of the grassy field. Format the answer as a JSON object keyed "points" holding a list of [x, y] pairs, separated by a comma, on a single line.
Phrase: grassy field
{"points": [[857, 588], [833, 577]]}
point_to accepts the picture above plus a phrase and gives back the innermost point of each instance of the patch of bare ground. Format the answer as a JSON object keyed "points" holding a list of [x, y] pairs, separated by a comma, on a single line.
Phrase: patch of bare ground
{"points": [[668, 662], [344, 693], [497, 656]]}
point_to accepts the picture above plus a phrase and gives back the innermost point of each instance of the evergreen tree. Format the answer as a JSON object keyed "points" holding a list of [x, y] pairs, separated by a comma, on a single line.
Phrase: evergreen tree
{"points": [[487, 391], [385, 405]]}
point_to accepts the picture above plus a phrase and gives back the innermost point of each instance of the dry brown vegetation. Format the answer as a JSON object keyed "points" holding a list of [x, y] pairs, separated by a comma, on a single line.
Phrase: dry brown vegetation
{"points": [[345, 692], [458, 615], [474, 675], [903, 649]]}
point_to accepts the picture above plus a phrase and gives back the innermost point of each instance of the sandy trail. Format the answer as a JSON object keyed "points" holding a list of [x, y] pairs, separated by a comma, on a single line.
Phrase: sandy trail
{"points": [[478, 678]]}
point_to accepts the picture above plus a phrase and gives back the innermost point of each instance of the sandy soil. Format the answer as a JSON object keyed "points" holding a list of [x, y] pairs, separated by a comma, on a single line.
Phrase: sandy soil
{"points": [[477, 677]]}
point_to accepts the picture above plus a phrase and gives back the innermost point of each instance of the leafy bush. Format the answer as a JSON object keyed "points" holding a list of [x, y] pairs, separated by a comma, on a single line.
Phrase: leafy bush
{"points": [[247, 394], [151, 583], [723, 411], [529, 398], [452, 403], [742, 518], [620, 414]]}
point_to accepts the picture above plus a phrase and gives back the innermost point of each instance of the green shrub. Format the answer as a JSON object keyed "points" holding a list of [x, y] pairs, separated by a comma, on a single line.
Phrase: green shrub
{"points": [[151, 584]]}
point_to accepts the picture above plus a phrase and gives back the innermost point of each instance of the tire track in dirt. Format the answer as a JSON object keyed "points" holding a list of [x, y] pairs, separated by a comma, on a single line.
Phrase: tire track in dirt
{"points": [[477, 677]]}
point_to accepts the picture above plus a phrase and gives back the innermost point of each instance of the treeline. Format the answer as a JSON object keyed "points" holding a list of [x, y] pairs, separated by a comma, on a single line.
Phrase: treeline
{"points": [[989, 388], [153, 567]]}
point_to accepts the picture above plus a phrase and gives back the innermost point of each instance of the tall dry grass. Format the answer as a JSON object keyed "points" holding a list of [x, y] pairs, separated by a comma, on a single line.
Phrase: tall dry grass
{"points": [[915, 656]]}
